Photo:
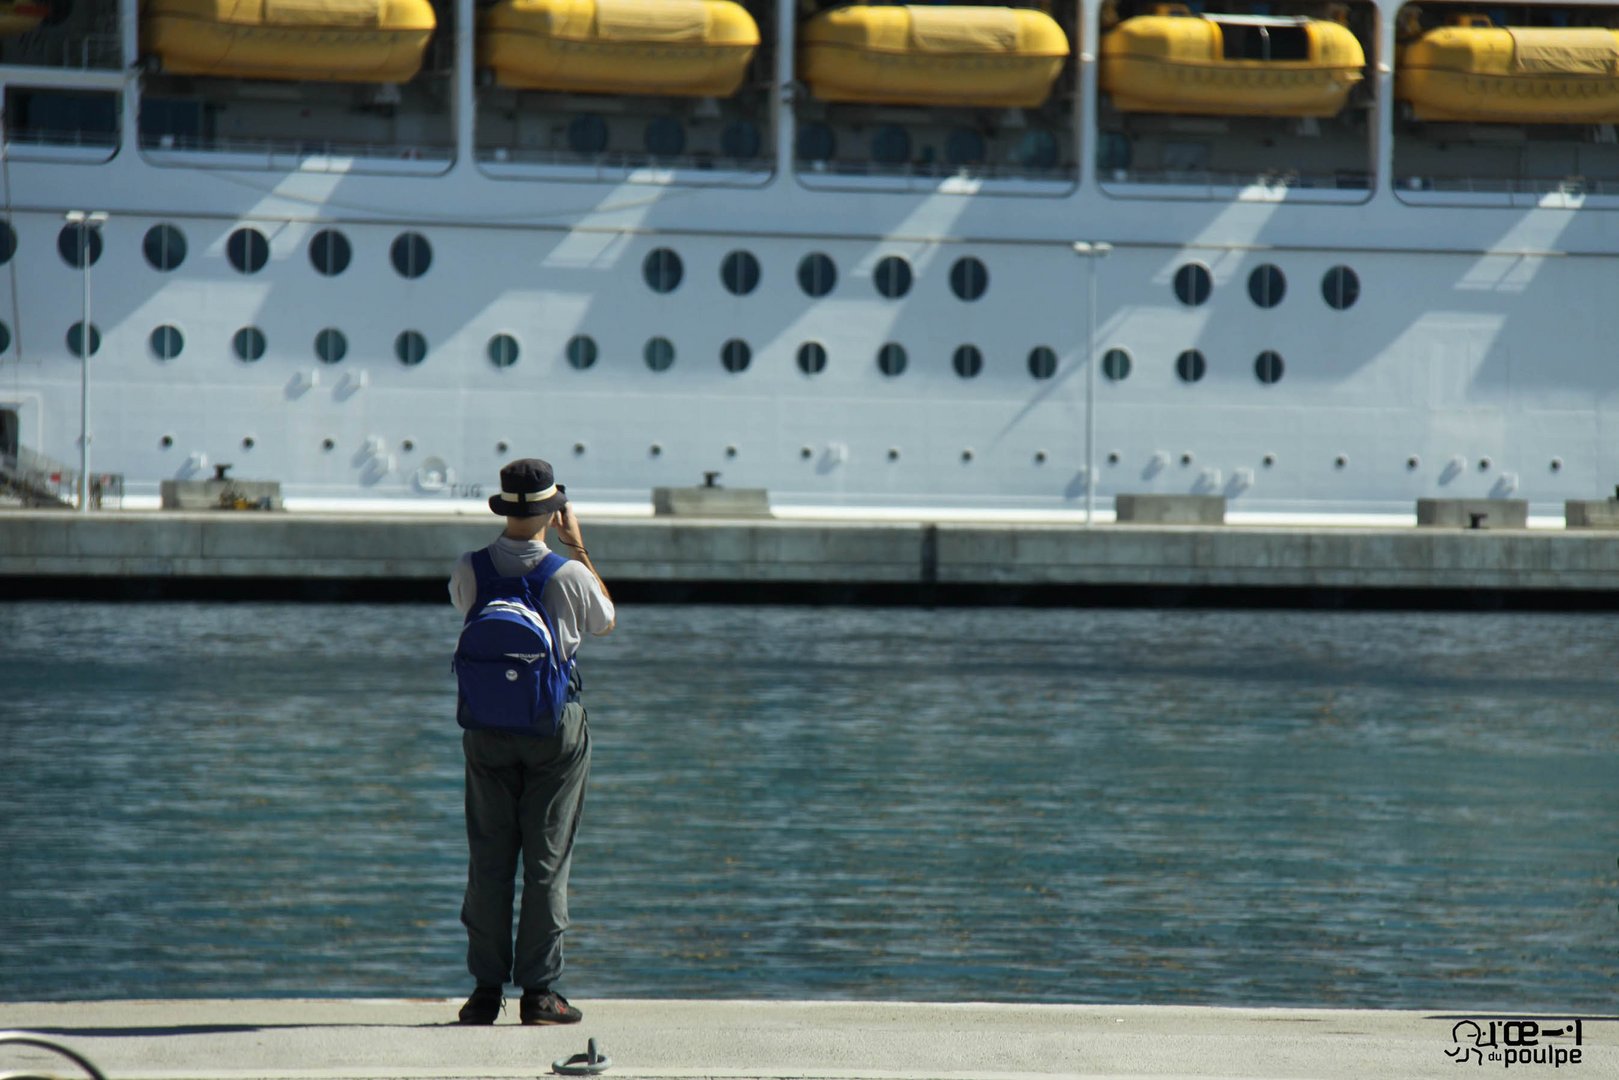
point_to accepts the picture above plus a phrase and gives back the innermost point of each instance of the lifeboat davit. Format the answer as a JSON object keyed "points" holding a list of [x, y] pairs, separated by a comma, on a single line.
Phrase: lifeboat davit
{"points": [[319, 40], [989, 56], [1230, 65], [1476, 71], [687, 48], [20, 17]]}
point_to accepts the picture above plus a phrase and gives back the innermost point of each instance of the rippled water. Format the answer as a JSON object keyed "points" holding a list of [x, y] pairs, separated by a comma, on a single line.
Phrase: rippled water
{"points": [[1391, 810]]}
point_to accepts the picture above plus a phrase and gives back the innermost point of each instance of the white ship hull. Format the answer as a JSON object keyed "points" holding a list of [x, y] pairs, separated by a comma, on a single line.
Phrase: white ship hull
{"points": [[1475, 359]]}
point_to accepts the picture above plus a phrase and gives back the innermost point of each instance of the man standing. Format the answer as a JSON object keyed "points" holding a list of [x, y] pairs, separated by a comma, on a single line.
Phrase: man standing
{"points": [[524, 792]]}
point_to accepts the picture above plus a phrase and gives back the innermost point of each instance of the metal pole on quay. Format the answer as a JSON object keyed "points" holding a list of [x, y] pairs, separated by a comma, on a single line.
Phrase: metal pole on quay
{"points": [[1090, 252], [85, 222]]}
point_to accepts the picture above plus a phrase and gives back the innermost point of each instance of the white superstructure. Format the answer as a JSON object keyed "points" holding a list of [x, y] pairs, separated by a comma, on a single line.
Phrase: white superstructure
{"points": [[384, 292]]}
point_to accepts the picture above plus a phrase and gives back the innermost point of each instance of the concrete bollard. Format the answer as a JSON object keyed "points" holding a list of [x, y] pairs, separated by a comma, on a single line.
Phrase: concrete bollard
{"points": [[1170, 509]]}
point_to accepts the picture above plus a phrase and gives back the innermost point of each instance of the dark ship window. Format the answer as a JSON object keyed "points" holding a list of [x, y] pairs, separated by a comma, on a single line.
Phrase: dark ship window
{"points": [[740, 272], [1042, 362], [411, 348], [662, 270], [1268, 367], [581, 352], [1267, 286], [411, 255], [247, 250], [811, 358], [75, 339], [249, 343], [329, 250], [167, 342], [1193, 284], [1116, 365], [8, 242], [1340, 287], [893, 277], [891, 359], [736, 355], [816, 274], [1191, 366], [968, 278], [331, 346], [503, 350], [165, 247], [968, 361], [659, 354], [78, 240]]}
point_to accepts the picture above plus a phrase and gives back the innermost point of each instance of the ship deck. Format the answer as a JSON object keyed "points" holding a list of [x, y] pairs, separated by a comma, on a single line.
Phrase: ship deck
{"points": [[417, 1039]]}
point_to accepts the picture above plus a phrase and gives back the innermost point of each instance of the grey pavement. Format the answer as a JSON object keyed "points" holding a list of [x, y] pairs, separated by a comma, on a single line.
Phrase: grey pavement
{"points": [[417, 1040]]}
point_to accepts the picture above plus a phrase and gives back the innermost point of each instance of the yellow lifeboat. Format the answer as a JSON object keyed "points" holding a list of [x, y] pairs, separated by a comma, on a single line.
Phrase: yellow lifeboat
{"points": [[19, 17], [687, 48], [989, 56], [1474, 70], [320, 40], [1230, 65]]}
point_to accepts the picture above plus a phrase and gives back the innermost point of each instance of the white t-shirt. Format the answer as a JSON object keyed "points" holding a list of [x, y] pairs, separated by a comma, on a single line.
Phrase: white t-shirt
{"points": [[573, 597]]}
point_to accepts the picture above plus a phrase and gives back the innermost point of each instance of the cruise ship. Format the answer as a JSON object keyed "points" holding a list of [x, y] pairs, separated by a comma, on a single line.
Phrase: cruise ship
{"points": [[1321, 258]]}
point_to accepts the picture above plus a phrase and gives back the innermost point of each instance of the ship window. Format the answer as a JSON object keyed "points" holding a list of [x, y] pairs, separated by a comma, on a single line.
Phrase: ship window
{"points": [[165, 247], [247, 250], [1267, 286], [817, 275], [964, 146], [662, 270], [1340, 287], [741, 140], [736, 355], [811, 357], [816, 142], [891, 359], [587, 134], [76, 240], [5, 337], [1191, 366], [503, 350], [581, 352], [329, 250], [968, 278], [740, 272], [1264, 42], [1268, 367], [1192, 284], [1116, 365], [968, 361], [249, 343], [664, 137], [659, 354], [411, 347], [411, 254], [331, 346], [75, 339], [1042, 362], [8, 242], [891, 145], [893, 277], [167, 341]]}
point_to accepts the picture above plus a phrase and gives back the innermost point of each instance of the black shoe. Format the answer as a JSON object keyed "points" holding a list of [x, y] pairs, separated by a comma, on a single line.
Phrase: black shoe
{"points": [[483, 1006], [548, 1007]]}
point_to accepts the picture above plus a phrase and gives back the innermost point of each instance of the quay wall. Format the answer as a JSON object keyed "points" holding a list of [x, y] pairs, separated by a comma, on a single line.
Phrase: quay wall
{"points": [[40, 550]]}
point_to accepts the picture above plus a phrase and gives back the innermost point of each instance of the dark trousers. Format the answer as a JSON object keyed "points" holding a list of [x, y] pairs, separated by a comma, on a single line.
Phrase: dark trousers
{"points": [[524, 795]]}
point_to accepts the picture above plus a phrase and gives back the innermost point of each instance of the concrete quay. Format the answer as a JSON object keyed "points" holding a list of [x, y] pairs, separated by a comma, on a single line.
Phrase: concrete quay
{"points": [[46, 552], [758, 1040]]}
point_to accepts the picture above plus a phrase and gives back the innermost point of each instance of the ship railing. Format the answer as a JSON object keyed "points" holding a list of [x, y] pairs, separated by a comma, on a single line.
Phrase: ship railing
{"points": [[1514, 185], [36, 480], [936, 171], [1336, 180], [87, 140], [87, 52], [276, 152], [619, 162]]}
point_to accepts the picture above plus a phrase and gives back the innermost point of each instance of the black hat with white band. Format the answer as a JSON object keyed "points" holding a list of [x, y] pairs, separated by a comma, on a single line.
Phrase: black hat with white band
{"points": [[528, 489]]}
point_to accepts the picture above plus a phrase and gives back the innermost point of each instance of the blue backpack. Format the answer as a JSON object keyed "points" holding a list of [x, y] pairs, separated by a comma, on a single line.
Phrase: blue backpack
{"points": [[507, 663]]}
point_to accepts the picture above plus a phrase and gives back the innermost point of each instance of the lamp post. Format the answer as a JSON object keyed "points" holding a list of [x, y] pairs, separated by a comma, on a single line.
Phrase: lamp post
{"points": [[86, 220], [1091, 252]]}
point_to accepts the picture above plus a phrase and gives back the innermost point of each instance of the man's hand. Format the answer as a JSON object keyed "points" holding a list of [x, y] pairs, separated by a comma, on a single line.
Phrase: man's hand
{"points": [[567, 527]]}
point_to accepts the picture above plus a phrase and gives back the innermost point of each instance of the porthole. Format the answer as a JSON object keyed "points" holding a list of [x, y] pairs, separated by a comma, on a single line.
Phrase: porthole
{"points": [[816, 274], [166, 342], [741, 140], [411, 347], [331, 346], [891, 359], [5, 337], [664, 137], [1116, 365], [8, 242], [662, 270], [249, 343], [735, 355], [892, 277], [1268, 367], [164, 246], [739, 272], [587, 134], [964, 146], [247, 250], [816, 142], [1036, 150], [411, 254], [968, 361], [1193, 284], [581, 352], [1340, 287], [659, 354], [811, 357], [968, 278], [891, 145], [1191, 366], [1042, 362], [77, 242], [75, 339], [1267, 286], [503, 350], [329, 250]]}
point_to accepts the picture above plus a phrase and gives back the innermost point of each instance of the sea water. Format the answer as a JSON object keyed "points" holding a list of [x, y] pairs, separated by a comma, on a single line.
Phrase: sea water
{"points": [[1199, 807]]}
